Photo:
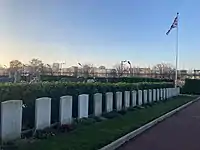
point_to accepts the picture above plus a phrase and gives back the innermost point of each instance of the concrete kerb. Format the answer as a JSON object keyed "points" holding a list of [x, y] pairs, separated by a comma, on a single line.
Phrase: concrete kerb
{"points": [[131, 135]]}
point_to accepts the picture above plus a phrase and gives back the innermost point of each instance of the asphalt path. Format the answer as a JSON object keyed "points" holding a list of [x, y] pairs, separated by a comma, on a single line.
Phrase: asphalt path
{"points": [[179, 132]]}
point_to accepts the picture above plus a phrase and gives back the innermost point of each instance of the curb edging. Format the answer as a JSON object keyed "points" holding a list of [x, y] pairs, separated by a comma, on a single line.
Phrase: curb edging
{"points": [[131, 135]]}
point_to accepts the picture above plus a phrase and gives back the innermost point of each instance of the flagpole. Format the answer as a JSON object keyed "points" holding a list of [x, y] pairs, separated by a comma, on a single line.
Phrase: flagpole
{"points": [[176, 73]]}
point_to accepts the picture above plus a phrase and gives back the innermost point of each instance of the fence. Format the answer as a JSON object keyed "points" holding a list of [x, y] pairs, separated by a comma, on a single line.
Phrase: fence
{"points": [[11, 110], [77, 75], [115, 74], [125, 74], [181, 76]]}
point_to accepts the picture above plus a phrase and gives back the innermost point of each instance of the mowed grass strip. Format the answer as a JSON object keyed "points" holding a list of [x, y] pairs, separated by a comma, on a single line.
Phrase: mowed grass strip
{"points": [[99, 134]]}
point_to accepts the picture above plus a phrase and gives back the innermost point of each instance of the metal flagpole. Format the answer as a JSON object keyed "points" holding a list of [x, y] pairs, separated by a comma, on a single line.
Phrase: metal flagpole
{"points": [[176, 73]]}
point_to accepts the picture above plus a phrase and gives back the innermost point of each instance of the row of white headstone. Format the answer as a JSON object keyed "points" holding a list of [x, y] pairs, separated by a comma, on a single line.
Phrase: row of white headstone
{"points": [[11, 111]]}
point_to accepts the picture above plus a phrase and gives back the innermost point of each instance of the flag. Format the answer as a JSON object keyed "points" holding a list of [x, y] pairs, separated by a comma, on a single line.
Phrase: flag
{"points": [[174, 24]]}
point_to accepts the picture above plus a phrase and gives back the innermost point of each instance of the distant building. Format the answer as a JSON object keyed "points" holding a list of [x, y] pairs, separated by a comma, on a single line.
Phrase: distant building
{"points": [[183, 72], [67, 71], [3, 72], [100, 72], [56, 67]]}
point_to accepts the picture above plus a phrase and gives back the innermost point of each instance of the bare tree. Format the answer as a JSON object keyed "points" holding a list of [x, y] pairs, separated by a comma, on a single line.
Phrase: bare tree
{"points": [[102, 67], [120, 70], [15, 65], [88, 69], [136, 70], [15, 68], [37, 66], [165, 70], [113, 73], [49, 69]]}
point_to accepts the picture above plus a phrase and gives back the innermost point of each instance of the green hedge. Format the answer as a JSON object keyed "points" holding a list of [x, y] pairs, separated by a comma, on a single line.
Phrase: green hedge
{"points": [[103, 79], [29, 92], [192, 86]]}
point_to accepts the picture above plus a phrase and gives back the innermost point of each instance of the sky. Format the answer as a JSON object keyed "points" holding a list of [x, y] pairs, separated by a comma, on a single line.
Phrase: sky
{"points": [[99, 32]]}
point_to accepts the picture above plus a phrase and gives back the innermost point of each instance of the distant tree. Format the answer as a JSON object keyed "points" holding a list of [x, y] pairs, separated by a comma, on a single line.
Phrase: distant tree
{"points": [[15, 65], [102, 67], [136, 70], [165, 70], [113, 73], [49, 68], [35, 62], [120, 70], [37, 66], [87, 70]]}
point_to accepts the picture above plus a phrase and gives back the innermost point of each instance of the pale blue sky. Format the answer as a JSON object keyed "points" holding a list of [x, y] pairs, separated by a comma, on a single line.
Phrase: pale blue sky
{"points": [[99, 31]]}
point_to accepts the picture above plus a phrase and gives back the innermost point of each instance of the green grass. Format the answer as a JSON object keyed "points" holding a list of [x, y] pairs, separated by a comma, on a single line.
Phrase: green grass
{"points": [[99, 134]]}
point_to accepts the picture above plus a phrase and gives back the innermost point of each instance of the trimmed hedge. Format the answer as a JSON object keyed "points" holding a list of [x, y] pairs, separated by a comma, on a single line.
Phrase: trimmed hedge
{"points": [[103, 79], [29, 92], [192, 86]]}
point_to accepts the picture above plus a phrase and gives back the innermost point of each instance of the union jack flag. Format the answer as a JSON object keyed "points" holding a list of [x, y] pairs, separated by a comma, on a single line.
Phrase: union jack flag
{"points": [[174, 24]]}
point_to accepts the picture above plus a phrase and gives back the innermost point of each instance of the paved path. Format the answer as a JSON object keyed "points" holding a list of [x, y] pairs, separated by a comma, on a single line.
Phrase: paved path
{"points": [[179, 132]]}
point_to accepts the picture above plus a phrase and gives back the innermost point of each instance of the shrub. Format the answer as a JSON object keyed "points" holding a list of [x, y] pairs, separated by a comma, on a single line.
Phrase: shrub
{"points": [[191, 86]]}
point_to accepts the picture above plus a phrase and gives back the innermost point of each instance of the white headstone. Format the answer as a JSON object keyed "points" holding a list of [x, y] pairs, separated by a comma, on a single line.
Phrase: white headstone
{"points": [[42, 113], [140, 97], [97, 104], [175, 92], [66, 110], [118, 101], [83, 105], [150, 96], [134, 98], [11, 120], [109, 102], [127, 99], [145, 96], [170, 92], [154, 95], [178, 88], [164, 94], [163, 90], [158, 94], [161, 94], [167, 93]]}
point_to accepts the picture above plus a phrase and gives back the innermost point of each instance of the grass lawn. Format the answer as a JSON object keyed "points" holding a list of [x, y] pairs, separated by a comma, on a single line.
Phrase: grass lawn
{"points": [[99, 134]]}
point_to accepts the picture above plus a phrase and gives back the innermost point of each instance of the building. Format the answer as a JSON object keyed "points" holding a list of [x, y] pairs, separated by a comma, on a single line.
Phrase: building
{"points": [[3, 72], [56, 67]]}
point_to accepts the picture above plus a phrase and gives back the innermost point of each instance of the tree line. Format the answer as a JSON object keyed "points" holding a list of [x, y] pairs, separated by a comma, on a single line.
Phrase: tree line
{"points": [[36, 66]]}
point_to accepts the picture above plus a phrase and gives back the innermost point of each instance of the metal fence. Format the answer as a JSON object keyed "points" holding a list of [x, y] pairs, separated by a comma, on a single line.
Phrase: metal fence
{"points": [[181, 76]]}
